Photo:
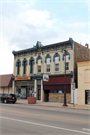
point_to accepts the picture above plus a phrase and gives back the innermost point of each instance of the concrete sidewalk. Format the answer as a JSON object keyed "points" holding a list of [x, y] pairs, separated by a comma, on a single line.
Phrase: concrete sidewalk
{"points": [[54, 104]]}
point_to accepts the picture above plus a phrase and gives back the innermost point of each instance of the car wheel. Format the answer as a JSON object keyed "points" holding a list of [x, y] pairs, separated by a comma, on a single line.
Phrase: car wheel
{"points": [[5, 101]]}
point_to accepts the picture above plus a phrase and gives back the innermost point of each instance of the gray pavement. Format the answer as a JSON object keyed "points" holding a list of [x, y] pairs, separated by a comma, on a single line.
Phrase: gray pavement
{"points": [[54, 104], [27, 119]]}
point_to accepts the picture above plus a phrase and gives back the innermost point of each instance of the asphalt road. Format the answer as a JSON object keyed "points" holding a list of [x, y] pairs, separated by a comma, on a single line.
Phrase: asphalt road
{"points": [[38, 120]]}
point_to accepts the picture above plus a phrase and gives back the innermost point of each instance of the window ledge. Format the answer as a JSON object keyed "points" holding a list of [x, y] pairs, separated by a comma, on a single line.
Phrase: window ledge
{"points": [[66, 71], [56, 71], [38, 72], [47, 72], [18, 75], [24, 74]]}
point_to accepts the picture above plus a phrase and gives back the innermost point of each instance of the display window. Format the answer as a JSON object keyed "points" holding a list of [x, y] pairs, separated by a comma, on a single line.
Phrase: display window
{"points": [[87, 96]]}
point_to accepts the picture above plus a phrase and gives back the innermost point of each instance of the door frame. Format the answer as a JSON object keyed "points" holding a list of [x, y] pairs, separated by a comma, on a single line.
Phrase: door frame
{"points": [[39, 95]]}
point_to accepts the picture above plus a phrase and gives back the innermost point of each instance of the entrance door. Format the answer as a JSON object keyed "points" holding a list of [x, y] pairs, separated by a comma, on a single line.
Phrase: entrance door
{"points": [[46, 95], [23, 92], [39, 94]]}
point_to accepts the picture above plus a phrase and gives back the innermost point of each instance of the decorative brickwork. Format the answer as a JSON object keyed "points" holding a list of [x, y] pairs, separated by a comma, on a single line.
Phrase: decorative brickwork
{"points": [[58, 97]]}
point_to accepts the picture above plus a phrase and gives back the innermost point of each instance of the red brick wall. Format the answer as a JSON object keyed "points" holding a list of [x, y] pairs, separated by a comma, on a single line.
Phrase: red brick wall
{"points": [[81, 53], [58, 80]]}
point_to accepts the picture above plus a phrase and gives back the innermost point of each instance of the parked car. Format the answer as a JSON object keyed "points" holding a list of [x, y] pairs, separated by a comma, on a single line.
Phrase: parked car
{"points": [[5, 98]]}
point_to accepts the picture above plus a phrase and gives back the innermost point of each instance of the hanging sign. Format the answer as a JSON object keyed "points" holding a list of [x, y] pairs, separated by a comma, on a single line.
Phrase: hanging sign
{"points": [[45, 77]]}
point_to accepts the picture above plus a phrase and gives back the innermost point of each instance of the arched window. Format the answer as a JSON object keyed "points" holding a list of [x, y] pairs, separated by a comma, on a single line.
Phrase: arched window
{"points": [[24, 63], [47, 61], [56, 59], [31, 63], [87, 75], [18, 64], [67, 55], [38, 62]]}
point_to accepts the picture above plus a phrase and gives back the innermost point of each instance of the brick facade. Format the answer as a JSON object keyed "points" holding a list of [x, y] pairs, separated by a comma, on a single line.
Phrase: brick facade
{"points": [[58, 97], [81, 53]]}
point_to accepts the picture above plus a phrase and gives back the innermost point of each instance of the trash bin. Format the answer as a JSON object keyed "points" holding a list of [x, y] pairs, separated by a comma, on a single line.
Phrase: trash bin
{"points": [[31, 100]]}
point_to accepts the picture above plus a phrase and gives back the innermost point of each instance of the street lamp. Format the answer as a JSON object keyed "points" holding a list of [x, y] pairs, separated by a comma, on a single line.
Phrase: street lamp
{"points": [[65, 104]]}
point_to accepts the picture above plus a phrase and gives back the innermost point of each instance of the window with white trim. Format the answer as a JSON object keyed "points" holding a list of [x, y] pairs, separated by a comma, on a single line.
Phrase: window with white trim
{"points": [[56, 63], [48, 65], [39, 66], [67, 62]]}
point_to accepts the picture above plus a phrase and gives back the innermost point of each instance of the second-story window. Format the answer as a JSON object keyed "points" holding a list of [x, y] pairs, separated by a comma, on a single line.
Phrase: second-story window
{"points": [[39, 66], [24, 64], [31, 66], [48, 65], [18, 68], [31, 63], [67, 62], [18, 64], [56, 63], [24, 67]]}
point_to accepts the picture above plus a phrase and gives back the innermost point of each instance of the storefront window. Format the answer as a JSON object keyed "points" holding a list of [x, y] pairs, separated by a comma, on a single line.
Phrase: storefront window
{"points": [[30, 91], [58, 91], [18, 91], [87, 96]]}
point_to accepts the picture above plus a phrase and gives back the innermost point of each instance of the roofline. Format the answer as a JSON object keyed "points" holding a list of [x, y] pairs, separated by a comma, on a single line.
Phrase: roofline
{"points": [[6, 74], [83, 61], [55, 44]]}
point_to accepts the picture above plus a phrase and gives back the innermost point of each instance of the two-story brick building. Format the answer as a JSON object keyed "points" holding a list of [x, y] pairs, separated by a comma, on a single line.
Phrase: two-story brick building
{"points": [[30, 65]]}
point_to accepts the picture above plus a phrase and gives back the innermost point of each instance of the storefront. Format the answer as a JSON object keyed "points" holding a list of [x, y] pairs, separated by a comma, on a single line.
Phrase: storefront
{"points": [[56, 84], [87, 96], [83, 83], [24, 88]]}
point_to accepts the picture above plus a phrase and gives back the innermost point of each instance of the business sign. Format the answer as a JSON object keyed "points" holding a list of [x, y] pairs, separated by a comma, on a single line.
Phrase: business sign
{"points": [[45, 77], [73, 86], [23, 78]]}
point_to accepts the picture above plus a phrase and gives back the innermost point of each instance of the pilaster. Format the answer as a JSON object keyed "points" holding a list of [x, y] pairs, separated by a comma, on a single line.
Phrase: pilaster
{"points": [[72, 90], [35, 88], [42, 91], [13, 87]]}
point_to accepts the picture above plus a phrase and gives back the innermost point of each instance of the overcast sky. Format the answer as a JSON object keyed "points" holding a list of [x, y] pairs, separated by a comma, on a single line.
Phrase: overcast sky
{"points": [[24, 22]]}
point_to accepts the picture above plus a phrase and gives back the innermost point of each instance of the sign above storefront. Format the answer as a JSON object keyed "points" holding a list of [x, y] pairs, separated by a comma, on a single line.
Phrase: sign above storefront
{"points": [[23, 78], [45, 77]]}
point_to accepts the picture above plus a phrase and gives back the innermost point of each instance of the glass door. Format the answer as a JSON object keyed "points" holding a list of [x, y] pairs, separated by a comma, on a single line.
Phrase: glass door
{"points": [[23, 92]]}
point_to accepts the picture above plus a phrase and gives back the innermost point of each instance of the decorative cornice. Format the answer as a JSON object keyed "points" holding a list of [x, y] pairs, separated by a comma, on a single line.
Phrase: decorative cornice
{"points": [[83, 63], [39, 46]]}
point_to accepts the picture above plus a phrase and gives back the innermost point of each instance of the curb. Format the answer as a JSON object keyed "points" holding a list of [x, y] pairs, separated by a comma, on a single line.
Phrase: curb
{"points": [[55, 106]]}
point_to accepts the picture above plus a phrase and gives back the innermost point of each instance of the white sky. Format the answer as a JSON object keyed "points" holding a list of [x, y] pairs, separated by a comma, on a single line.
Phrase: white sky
{"points": [[24, 22]]}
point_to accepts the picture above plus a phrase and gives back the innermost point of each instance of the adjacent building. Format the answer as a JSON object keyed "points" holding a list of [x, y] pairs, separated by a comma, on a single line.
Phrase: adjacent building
{"points": [[83, 82], [31, 64], [6, 83]]}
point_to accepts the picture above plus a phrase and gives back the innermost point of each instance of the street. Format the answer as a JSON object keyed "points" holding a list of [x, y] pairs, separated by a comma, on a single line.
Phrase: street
{"points": [[28, 119]]}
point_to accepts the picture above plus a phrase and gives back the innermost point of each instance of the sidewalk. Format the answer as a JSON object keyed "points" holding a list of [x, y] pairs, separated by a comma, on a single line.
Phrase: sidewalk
{"points": [[54, 104]]}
